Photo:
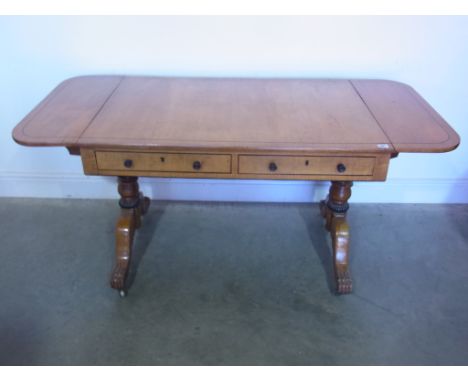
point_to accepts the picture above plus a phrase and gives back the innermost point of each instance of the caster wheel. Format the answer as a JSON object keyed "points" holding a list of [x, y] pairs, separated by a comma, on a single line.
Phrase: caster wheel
{"points": [[122, 293]]}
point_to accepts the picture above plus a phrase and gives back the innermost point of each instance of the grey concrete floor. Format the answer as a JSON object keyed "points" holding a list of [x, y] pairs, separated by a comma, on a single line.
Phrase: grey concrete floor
{"points": [[232, 284]]}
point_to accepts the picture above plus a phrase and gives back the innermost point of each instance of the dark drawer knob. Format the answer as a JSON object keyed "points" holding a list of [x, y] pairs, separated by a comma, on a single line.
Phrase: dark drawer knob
{"points": [[272, 166], [196, 165], [341, 167], [128, 163]]}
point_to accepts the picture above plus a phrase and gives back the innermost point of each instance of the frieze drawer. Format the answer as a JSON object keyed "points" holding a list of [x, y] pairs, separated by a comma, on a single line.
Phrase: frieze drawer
{"points": [[306, 165], [163, 162]]}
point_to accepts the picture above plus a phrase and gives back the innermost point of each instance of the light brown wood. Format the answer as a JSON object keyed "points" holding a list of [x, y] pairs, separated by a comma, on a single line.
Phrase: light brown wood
{"points": [[305, 165], [406, 118], [297, 129], [334, 209], [133, 206], [163, 162], [218, 165], [236, 114], [88, 159], [61, 118]]}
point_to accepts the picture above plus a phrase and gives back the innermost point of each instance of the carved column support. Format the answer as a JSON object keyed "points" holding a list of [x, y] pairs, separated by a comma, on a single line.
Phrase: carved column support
{"points": [[334, 210], [133, 205]]}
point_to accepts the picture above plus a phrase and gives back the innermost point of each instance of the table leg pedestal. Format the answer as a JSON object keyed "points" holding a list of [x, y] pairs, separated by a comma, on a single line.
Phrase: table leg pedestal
{"points": [[334, 209], [133, 206]]}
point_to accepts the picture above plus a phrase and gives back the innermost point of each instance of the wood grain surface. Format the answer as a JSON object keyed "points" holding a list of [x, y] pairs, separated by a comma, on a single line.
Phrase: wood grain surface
{"points": [[252, 115]]}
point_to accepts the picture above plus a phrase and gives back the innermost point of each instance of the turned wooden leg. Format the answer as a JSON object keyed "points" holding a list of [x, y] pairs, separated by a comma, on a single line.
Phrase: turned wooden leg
{"points": [[334, 209], [133, 205]]}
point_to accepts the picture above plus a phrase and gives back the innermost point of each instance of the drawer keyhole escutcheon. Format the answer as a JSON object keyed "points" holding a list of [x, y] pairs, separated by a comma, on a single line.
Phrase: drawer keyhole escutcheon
{"points": [[163, 159], [341, 167], [128, 163], [306, 162], [272, 166], [196, 165]]}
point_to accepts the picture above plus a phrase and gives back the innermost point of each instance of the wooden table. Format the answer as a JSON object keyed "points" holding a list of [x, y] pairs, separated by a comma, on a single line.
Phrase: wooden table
{"points": [[314, 129]]}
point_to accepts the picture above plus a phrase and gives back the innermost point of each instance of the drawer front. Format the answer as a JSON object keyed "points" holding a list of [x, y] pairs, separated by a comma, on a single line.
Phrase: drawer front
{"points": [[306, 165], [163, 162]]}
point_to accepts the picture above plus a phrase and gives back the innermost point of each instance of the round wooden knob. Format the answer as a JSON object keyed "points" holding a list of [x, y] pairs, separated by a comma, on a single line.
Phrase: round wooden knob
{"points": [[128, 163], [196, 165], [341, 167], [272, 166]]}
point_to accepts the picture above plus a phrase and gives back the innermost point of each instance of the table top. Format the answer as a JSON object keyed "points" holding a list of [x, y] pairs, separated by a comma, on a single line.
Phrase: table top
{"points": [[326, 115]]}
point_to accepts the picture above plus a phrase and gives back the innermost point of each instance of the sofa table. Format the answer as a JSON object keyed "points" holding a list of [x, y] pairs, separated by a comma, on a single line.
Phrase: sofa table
{"points": [[306, 129]]}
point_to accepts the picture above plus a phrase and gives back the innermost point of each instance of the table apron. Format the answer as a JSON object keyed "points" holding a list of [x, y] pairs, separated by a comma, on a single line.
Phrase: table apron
{"points": [[235, 165]]}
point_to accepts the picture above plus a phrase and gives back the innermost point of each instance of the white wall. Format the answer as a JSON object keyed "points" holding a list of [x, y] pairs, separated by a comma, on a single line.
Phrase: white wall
{"points": [[429, 53]]}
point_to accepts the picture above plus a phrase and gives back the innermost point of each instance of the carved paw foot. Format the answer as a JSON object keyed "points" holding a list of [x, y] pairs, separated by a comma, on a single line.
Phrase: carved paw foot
{"points": [[344, 284], [118, 278]]}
